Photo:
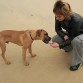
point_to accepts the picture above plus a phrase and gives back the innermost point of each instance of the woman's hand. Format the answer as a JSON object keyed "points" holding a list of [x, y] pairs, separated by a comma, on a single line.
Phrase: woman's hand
{"points": [[53, 44], [66, 37]]}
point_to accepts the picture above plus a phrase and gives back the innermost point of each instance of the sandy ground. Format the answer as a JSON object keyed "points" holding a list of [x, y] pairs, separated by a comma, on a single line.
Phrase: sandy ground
{"points": [[50, 65]]}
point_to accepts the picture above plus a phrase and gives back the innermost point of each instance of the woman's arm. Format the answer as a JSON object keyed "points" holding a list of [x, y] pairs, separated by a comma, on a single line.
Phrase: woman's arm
{"points": [[75, 31], [59, 30]]}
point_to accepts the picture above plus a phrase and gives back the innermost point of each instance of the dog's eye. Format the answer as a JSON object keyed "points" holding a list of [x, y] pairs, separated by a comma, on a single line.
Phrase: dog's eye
{"points": [[46, 34]]}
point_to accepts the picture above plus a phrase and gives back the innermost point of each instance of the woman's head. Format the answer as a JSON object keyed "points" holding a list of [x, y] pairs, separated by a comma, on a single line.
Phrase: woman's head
{"points": [[62, 10]]}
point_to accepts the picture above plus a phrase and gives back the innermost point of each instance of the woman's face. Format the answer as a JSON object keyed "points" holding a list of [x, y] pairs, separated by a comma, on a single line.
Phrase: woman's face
{"points": [[59, 17]]}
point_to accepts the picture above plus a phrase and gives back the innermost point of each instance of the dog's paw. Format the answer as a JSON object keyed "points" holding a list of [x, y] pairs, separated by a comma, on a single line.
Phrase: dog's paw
{"points": [[8, 62], [26, 63], [33, 55]]}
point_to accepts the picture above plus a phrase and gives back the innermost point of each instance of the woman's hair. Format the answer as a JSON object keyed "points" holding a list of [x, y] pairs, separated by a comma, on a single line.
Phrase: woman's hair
{"points": [[62, 8]]}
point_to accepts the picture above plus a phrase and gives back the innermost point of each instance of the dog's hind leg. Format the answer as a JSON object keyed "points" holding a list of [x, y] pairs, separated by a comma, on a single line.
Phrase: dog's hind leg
{"points": [[30, 51], [3, 48]]}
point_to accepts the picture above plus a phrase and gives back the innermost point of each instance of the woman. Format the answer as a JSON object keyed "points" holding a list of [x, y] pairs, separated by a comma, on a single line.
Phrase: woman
{"points": [[69, 29]]}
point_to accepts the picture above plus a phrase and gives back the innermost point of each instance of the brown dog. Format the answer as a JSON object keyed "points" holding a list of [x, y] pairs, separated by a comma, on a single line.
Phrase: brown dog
{"points": [[22, 38]]}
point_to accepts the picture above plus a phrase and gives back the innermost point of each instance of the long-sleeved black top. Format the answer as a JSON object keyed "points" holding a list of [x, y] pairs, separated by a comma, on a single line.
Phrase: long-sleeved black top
{"points": [[73, 27]]}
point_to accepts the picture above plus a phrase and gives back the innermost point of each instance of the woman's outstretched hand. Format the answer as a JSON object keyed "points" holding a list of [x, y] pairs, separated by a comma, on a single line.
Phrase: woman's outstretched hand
{"points": [[53, 44]]}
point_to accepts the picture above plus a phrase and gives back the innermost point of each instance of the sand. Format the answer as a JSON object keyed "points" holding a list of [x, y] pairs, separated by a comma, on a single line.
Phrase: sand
{"points": [[50, 65]]}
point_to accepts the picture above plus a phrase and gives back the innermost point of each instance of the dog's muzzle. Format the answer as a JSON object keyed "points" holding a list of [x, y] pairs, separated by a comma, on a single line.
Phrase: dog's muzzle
{"points": [[46, 39]]}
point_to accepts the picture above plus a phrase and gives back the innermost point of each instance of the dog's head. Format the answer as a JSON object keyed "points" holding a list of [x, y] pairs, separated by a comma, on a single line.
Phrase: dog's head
{"points": [[41, 34]]}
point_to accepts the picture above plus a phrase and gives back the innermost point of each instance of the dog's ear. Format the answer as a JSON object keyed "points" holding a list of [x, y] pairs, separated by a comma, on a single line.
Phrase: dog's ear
{"points": [[38, 32]]}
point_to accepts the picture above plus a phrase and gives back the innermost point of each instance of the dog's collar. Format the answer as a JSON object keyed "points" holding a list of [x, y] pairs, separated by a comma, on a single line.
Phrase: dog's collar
{"points": [[31, 36]]}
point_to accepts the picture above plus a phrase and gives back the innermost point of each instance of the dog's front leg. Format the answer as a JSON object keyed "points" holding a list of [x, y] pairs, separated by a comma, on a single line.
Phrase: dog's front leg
{"points": [[24, 49], [30, 51]]}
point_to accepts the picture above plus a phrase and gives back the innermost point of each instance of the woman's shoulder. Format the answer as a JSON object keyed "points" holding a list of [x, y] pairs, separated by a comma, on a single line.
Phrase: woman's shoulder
{"points": [[76, 17]]}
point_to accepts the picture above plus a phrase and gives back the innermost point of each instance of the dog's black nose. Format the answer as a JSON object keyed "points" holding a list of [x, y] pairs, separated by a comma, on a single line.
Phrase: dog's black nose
{"points": [[47, 39]]}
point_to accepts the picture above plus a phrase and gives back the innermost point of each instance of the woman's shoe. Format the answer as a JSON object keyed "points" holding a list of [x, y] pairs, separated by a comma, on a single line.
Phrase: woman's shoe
{"points": [[75, 67]]}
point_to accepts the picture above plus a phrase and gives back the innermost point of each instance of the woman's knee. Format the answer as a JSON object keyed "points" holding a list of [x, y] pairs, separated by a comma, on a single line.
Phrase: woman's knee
{"points": [[57, 39], [54, 38], [75, 41]]}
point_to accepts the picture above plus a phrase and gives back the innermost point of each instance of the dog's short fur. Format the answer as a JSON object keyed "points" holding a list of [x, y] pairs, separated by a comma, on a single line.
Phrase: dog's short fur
{"points": [[22, 38]]}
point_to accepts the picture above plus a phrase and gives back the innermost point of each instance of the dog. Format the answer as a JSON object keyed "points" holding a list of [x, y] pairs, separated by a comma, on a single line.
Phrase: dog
{"points": [[22, 38]]}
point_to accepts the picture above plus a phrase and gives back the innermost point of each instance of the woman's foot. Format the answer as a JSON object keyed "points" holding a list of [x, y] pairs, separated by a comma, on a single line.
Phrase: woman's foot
{"points": [[76, 67]]}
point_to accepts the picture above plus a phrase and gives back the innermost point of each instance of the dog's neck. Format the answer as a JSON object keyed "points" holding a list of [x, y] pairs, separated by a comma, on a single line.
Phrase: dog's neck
{"points": [[31, 35]]}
